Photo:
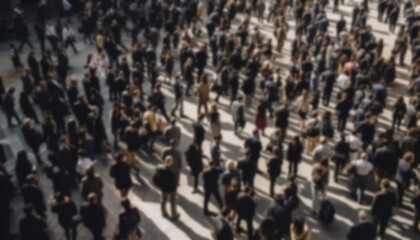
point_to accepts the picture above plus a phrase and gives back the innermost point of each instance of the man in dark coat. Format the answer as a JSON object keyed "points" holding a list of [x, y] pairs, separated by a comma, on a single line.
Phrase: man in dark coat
{"points": [[211, 186], [364, 229], [199, 131], [343, 109], [93, 216], [32, 194], [28, 81], [245, 207], [253, 143], [8, 105], [34, 65], [59, 111], [81, 110], [385, 162], [31, 226], [366, 129], [281, 214], [248, 168], [282, 119], [382, 205], [165, 179]]}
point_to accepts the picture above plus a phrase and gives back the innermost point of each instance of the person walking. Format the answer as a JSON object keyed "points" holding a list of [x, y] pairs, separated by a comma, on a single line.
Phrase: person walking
{"points": [[199, 131], [176, 155], [32, 194], [203, 95], [69, 37], [128, 220], [26, 104], [31, 226], [120, 171], [194, 158], [93, 216], [211, 186], [341, 156], [404, 175], [8, 106], [319, 183], [260, 119], [382, 204], [91, 183], [23, 167], [294, 154], [172, 132], [359, 180], [238, 115], [245, 208], [274, 167], [165, 178], [66, 209], [33, 137], [178, 89], [281, 214]]}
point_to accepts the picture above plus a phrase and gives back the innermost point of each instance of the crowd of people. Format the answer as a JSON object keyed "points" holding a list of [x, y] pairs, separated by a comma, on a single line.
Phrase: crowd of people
{"points": [[222, 54]]}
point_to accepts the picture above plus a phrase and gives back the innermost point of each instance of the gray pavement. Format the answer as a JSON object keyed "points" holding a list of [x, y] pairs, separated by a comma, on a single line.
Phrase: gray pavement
{"points": [[192, 223]]}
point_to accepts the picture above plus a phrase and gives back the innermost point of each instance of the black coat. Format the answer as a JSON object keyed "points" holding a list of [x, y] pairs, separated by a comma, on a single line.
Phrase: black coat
{"points": [[23, 168], [245, 206], [33, 137], [211, 178], [33, 227], [93, 216], [199, 133], [167, 179], [66, 212], [194, 159], [81, 111], [132, 138], [362, 231], [248, 169], [386, 159], [33, 194], [282, 216], [121, 172], [223, 231], [382, 204], [281, 118], [274, 166]]}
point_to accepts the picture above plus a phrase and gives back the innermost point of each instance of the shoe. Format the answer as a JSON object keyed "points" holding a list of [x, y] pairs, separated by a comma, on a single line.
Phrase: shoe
{"points": [[165, 215], [176, 216]]}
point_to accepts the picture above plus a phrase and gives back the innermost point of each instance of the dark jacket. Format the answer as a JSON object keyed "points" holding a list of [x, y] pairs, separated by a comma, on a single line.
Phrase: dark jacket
{"points": [[121, 172], [245, 206], [194, 159], [362, 231], [199, 133], [294, 153], [386, 159], [33, 194], [223, 231], [248, 169], [382, 204], [211, 178], [167, 179], [33, 227], [65, 212], [366, 130], [281, 215], [282, 116], [93, 216]]}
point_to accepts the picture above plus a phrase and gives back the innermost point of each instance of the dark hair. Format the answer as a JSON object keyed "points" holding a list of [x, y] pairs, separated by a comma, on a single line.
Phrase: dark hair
{"points": [[299, 224], [125, 203]]}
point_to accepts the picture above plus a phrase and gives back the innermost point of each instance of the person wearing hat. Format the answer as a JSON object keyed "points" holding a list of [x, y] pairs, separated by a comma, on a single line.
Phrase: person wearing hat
{"points": [[66, 209]]}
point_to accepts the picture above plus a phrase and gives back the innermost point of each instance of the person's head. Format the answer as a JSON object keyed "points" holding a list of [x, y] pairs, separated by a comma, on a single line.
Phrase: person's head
{"points": [[92, 198], [230, 165], [213, 108], [364, 156], [217, 139], [125, 203], [362, 216], [27, 123], [291, 177], [324, 140], [119, 157], [279, 199], [249, 190], [169, 160], [90, 172], [255, 132], [81, 153], [240, 98], [295, 140], [22, 156], [32, 179], [299, 224], [409, 157], [60, 197], [385, 183], [65, 140]]}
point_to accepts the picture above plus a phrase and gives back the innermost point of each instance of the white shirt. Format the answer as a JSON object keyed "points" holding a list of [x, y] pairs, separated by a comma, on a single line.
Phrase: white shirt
{"points": [[354, 142], [50, 30], [67, 32], [82, 164], [342, 81], [363, 167]]}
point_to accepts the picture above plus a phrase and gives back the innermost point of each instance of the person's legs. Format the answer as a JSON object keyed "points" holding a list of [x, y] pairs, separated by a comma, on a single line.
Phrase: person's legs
{"points": [[74, 232], [272, 183], [238, 223], [400, 188], [314, 197], [195, 180], [173, 204], [206, 200], [249, 228], [163, 200], [216, 194], [382, 227], [295, 167]]}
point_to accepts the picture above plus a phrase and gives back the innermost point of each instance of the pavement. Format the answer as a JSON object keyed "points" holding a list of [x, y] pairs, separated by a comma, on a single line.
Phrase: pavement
{"points": [[193, 224]]}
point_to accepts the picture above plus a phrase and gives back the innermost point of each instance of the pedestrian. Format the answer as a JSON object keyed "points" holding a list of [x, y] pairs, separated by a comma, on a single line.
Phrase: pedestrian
{"points": [[238, 115], [385, 162], [31, 226], [274, 167], [247, 168], [382, 204], [93, 216], [65, 209], [23, 167], [128, 220], [33, 137], [69, 37], [194, 158], [313, 130], [294, 154], [14, 55], [8, 106], [120, 171], [199, 131], [176, 155], [214, 120], [166, 180], [33, 195], [132, 139], [319, 183], [26, 104], [223, 230], [91, 183], [203, 94], [61, 179], [322, 151], [361, 171], [178, 89], [281, 214], [266, 230], [404, 175], [245, 207], [260, 119], [253, 143], [399, 111], [303, 102]]}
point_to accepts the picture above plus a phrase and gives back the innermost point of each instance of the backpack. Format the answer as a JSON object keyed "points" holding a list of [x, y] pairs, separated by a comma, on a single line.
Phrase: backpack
{"points": [[326, 213]]}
